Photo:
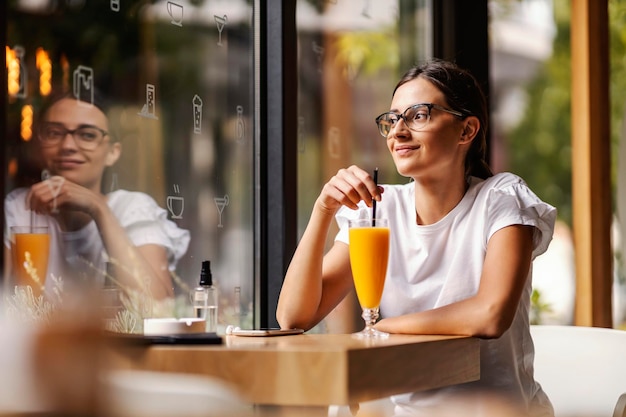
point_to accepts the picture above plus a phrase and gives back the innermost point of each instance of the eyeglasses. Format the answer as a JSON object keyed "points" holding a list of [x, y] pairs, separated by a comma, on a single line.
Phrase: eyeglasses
{"points": [[416, 117], [86, 137]]}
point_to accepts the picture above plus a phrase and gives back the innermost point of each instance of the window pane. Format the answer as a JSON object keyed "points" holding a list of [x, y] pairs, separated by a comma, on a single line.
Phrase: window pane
{"points": [[618, 149], [178, 82], [531, 106], [351, 54]]}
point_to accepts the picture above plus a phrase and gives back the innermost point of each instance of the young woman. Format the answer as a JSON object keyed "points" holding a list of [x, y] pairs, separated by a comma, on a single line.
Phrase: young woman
{"points": [[462, 240], [87, 227]]}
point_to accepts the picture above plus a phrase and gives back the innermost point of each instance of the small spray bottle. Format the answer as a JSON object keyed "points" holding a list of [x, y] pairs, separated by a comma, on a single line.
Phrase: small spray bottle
{"points": [[204, 298]]}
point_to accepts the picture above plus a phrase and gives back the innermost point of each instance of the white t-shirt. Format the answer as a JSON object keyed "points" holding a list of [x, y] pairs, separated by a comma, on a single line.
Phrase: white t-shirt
{"points": [[81, 254], [438, 264]]}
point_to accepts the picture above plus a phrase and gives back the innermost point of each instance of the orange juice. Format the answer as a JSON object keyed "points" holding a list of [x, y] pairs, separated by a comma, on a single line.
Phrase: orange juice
{"points": [[369, 251], [37, 246]]}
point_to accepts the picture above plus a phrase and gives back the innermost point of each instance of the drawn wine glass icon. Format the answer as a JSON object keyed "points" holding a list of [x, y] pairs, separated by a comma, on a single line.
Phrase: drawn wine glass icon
{"points": [[241, 127], [54, 185], [221, 21], [221, 203], [176, 204]]}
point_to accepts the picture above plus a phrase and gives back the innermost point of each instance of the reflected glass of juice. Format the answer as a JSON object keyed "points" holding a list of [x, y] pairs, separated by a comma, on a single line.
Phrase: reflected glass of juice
{"points": [[369, 253], [30, 247]]}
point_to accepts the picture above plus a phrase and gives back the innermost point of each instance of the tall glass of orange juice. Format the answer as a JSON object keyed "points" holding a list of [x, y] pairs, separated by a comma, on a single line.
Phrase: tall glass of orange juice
{"points": [[369, 253], [30, 246]]}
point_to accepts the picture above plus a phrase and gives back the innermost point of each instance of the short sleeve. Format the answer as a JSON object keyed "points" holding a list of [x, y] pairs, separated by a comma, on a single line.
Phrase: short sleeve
{"points": [[344, 214], [511, 202], [146, 223]]}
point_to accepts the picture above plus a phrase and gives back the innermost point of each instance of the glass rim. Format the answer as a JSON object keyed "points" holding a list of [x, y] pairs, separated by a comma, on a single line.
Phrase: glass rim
{"points": [[375, 222], [29, 229]]}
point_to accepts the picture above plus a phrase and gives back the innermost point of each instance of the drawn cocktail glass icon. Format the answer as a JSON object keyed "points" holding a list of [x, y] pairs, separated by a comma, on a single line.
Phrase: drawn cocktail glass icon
{"points": [[369, 253], [30, 247], [221, 203], [221, 21]]}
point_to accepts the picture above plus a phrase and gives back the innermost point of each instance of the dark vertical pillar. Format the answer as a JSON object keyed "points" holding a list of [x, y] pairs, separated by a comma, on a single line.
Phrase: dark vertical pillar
{"points": [[461, 35], [278, 141], [3, 125]]}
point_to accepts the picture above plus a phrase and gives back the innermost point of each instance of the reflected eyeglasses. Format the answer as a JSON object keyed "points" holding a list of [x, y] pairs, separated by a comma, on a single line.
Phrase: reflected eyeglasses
{"points": [[416, 117], [86, 137]]}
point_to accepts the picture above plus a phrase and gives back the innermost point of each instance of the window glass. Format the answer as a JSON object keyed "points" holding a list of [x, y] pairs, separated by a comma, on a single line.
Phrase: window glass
{"points": [[530, 102], [351, 55], [617, 86], [177, 79]]}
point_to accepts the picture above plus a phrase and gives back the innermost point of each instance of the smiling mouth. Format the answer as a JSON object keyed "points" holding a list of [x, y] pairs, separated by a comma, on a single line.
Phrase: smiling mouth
{"points": [[405, 149], [68, 162]]}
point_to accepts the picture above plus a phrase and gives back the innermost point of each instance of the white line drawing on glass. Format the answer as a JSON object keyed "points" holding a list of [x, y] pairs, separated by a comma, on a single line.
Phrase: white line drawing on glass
{"points": [[319, 51], [197, 114], [334, 142], [149, 109], [54, 185], [301, 135], [241, 127], [114, 182], [115, 5], [83, 86], [17, 73], [175, 11], [366, 7], [221, 203], [221, 21], [176, 204]]}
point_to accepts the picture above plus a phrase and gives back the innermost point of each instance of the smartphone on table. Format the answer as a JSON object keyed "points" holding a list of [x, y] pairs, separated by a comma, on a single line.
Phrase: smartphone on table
{"points": [[264, 332]]}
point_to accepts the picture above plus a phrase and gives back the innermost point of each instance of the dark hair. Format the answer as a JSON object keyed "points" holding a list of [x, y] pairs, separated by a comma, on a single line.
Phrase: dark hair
{"points": [[463, 94]]}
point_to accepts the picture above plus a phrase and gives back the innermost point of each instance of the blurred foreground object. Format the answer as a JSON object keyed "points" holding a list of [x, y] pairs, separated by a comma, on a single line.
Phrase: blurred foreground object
{"points": [[156, 394]]}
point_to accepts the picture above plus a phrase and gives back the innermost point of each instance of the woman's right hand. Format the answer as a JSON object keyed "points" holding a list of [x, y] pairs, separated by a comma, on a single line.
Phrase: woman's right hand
{"points": [[347, 188], [71, 204]]}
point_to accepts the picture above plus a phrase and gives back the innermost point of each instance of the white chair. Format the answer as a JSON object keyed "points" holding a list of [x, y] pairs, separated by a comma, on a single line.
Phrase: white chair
{"points": [[582, 369]]}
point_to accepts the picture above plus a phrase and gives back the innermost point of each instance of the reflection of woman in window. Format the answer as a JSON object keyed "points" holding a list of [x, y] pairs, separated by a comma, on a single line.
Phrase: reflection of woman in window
{"points": [[87, 227]]}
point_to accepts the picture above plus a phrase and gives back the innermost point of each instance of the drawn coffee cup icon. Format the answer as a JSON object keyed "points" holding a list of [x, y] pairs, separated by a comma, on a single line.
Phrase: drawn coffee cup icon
{"points": [[176, 206], [176, 13]]}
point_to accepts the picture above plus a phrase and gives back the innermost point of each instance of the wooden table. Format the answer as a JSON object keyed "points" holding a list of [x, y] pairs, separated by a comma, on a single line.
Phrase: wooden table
{"points": [[318, 369]]}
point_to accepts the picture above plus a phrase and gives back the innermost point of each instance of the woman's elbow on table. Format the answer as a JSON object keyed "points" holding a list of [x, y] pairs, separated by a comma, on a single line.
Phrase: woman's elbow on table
{"points": [[492, 323], [289, 322], [289, 319]]}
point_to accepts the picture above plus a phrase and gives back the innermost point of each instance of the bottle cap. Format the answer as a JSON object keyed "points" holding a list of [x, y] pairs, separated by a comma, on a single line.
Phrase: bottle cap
{"points": [[206, 278]]}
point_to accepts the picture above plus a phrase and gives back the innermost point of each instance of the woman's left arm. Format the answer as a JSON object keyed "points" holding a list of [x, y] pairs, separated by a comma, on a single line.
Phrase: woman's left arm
{"points": [[490, 312], [142, 267]]}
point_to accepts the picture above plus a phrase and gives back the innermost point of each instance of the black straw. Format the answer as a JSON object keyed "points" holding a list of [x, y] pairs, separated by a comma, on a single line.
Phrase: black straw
{"points": [[374, 201]]}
